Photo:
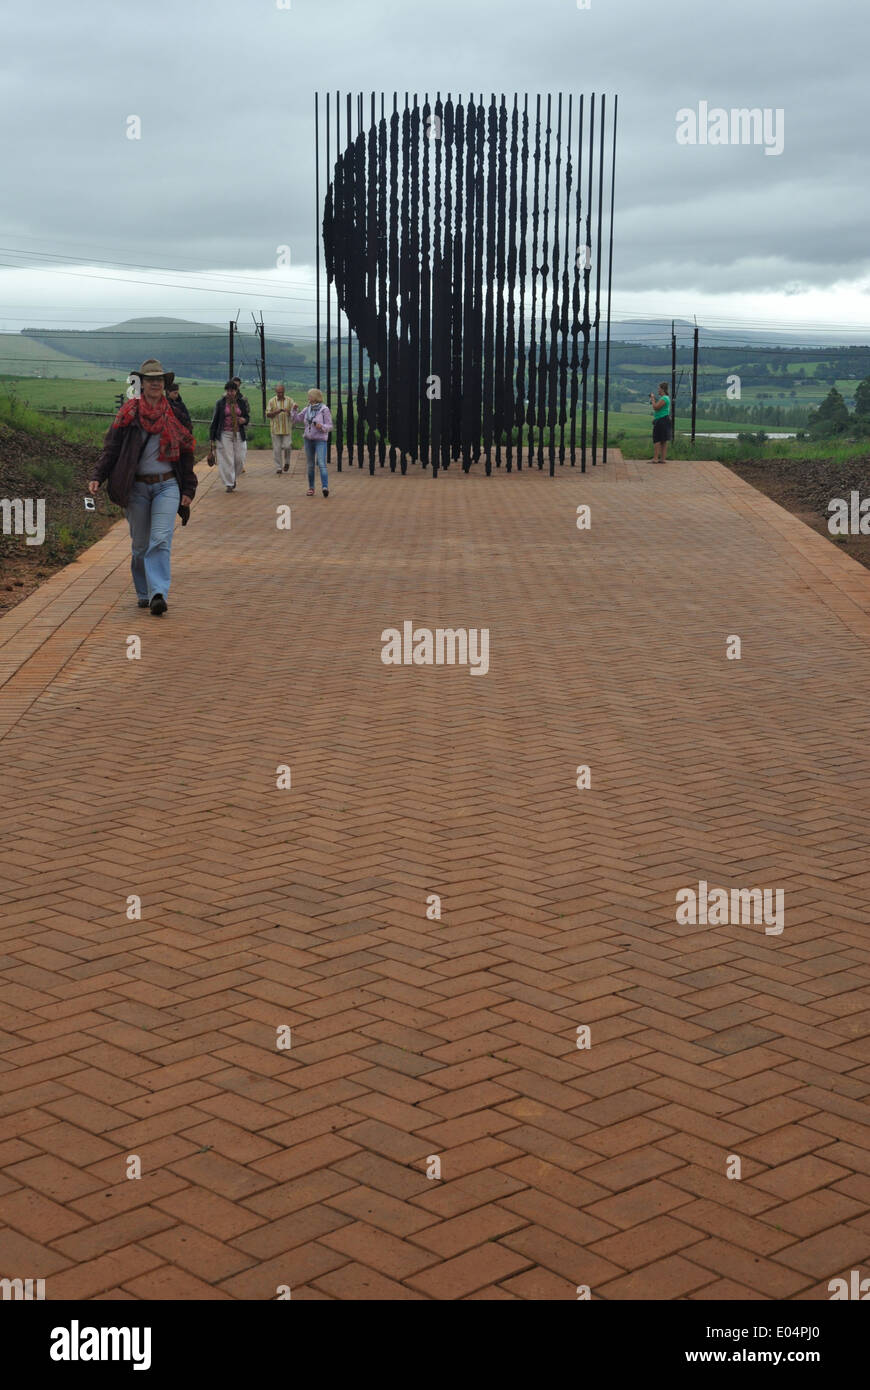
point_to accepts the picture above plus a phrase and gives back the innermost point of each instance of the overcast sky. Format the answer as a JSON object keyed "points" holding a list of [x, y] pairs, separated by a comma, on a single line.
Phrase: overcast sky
{"points": [[224, 171]]}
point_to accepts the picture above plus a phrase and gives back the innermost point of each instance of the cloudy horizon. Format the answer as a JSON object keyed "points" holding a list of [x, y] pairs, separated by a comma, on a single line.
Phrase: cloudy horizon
{"points": [[185, 221]]}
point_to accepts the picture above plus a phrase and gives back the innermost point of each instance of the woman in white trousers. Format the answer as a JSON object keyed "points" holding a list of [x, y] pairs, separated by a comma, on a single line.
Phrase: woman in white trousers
{"points": [[227, 433]]}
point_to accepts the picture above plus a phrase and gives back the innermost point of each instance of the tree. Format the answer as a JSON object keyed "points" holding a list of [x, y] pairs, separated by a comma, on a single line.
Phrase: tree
{"points": [[862, 399], [832, 416]]}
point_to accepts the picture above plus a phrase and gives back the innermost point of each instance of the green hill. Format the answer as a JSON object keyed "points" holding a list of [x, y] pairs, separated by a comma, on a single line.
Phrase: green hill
{"points": [[197, 350], [23, 356]]}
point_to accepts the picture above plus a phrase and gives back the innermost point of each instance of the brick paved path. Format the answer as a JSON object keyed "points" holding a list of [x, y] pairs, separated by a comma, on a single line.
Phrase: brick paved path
{"points": [[453, 1038]]}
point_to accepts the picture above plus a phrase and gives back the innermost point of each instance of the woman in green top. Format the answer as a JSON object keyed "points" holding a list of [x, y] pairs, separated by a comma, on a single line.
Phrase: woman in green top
{"points": [[661, 405]]}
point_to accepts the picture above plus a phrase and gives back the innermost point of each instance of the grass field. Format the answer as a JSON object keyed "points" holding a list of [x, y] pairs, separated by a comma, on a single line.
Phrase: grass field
{"points": [[25, 357], [37, 395], [630, 429]]}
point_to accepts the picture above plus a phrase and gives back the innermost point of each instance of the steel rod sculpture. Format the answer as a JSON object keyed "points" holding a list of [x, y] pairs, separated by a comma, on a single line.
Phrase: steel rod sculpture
{"points": [[461, 254]]}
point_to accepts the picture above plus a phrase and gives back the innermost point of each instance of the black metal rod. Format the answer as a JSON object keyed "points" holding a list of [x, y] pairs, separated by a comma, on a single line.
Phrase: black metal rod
{"points": [[346, 204], [489, 304], [609, 284], [520, 388], [500, 257], [446, 294], [339, 415], [426, 291], [470, 360], [362, 213], [437, 367], [587, 271], [480, 232], [566, 289], [317, 221], [575, 292], [376, 329], [388, 275], [398, 387], [543, 359], [598, 282], [328, 292], [411, 310], [532, 413], [457, 450], [508, 395], [553, 366]]}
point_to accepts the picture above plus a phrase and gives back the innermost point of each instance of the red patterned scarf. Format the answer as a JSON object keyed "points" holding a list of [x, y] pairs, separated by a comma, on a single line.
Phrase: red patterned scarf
{"points": [[156, 419]]}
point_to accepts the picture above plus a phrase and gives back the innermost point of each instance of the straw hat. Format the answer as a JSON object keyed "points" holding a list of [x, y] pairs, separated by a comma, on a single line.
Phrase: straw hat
{"points": [[152, 367]]}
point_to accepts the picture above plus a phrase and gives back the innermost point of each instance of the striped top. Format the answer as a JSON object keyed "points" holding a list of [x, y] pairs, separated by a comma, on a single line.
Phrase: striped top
{"points": [[280, 424]]}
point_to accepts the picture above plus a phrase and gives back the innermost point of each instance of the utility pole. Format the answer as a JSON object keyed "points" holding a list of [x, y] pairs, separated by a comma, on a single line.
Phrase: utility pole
{"points": [[694, 380], [232, 359], [261, 329], [673, 381]]}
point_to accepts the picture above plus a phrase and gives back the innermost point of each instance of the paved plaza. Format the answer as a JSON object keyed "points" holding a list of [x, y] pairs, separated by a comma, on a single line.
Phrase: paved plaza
{"points": [[336, 1020]]}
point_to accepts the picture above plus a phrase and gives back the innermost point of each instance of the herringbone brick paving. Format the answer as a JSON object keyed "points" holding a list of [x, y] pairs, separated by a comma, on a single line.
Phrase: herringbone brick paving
{"points": [[306, 907]]}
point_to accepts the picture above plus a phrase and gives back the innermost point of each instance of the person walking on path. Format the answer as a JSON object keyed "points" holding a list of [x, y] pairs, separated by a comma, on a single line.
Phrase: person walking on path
{"points": [[147, 466], [246, 409], [278, 413], [173, 395], [316, 419], [227, 433], [661, 405]]}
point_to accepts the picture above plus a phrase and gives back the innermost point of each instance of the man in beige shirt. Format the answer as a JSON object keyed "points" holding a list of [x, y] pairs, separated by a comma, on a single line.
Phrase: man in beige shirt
{"points": [[278, 413]]}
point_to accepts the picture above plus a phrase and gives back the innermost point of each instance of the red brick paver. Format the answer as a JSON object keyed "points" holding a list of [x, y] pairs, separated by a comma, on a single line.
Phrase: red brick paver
{"points": [[423, 1040]]}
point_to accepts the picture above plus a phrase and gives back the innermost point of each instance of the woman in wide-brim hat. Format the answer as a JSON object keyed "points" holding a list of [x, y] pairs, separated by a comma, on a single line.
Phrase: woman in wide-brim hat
{"points": [[147, 465]]}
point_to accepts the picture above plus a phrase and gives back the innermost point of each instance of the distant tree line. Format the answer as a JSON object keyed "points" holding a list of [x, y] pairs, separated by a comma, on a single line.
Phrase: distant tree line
{"points": [[833, 416], [794, 417]]}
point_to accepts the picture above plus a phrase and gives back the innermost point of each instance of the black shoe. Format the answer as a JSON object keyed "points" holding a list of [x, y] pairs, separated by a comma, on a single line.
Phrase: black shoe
{"points": [[158, 605], [230, 489], [286, 468], [326, 492], [143, 603]]}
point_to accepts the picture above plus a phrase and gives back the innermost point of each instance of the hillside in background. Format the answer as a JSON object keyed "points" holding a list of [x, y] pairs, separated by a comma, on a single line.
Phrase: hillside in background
{"points": [[20, 356], [657, 332], [779, 383], [193, 350]]}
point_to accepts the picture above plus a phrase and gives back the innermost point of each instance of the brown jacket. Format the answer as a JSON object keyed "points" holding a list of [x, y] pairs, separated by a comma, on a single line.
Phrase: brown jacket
{"points": [[119, 461]]}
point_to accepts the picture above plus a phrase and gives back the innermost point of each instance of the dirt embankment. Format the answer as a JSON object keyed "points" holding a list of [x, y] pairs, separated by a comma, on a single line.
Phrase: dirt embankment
{"points": [[55, 470], [805, 487]]}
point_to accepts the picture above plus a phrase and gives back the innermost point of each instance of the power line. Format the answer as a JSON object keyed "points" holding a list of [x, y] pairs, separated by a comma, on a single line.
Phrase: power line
{"points": [[151, 284], [237, 279], [308, 295]]}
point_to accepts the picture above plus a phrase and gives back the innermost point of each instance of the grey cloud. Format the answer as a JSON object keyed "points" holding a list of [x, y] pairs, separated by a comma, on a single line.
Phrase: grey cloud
{"points": [[223, 173]]}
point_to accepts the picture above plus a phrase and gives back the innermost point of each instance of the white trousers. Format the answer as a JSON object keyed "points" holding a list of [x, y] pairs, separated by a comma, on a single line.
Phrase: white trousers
{"points": [[230, 457], [282, 450]]}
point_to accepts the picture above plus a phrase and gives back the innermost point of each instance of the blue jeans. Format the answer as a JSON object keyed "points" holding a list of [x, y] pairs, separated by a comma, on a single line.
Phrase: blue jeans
{"points": [[151, 513], [316, 449]]}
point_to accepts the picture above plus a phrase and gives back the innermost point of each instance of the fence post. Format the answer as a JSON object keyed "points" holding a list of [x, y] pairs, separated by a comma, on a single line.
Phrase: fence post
{"points": [[673, 381], [694, 380]]}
